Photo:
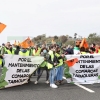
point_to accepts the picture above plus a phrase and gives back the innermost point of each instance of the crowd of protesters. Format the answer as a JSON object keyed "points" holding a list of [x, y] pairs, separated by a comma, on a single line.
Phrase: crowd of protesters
{"points": [[54, 57]]}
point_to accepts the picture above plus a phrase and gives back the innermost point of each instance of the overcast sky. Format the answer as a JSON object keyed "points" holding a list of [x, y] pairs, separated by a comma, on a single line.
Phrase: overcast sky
{"points": [[53, 17]]}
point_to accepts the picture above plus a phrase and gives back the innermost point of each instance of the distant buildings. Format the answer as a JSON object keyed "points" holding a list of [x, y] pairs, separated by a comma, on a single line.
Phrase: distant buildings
{"points": [[12, 39]]}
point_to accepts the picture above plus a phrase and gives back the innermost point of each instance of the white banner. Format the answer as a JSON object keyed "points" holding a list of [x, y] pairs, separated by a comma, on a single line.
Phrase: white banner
{"points": [[17, 69], [84, 69]]}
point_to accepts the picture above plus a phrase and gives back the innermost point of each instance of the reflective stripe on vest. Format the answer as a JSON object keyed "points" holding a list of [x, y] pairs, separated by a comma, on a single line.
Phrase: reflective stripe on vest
{"points": [[24, 54], [8, 51], [51, 54]]}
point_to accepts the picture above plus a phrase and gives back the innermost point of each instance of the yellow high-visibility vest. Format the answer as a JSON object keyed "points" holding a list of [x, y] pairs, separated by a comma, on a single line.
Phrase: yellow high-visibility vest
{"points": [[8, 51], [24, 54], [50, 66], [36, 53]]}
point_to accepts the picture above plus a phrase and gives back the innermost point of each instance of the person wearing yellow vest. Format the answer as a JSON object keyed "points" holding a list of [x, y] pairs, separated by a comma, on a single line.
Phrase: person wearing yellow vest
{"points": [[43, 66], [24, 52], [9, 50], [60, 67], [82, 50], [36, 52], [52, 62]]}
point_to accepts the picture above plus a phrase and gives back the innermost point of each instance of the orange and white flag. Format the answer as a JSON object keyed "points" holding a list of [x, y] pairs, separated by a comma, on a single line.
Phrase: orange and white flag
{"points": [[71, 62], [27, 43]]}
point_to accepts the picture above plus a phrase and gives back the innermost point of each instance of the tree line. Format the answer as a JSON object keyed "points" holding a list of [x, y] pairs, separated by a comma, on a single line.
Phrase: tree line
{"points": [[66, 39]]}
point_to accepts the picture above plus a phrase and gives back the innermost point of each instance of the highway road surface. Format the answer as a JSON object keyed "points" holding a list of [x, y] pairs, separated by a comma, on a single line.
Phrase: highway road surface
{"points": [[42, 91]]}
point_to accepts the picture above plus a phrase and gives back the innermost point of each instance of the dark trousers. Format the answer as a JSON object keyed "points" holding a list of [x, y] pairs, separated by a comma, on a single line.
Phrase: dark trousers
{"points": [[37, 71], [41, 71]]}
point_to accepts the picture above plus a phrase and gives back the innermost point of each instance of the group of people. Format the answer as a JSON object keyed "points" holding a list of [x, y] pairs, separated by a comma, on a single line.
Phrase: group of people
{"points": [[53, 60], [54, 57]]}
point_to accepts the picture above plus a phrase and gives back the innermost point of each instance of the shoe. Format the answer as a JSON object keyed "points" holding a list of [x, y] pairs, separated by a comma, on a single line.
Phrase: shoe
{"points": [[36, 82], [53, 86], [61, 81], [47, 82], [57, 83]]}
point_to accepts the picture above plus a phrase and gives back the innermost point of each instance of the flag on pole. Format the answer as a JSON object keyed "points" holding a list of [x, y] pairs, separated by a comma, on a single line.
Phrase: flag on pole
{"points": [[2, 27], [27, 43]]}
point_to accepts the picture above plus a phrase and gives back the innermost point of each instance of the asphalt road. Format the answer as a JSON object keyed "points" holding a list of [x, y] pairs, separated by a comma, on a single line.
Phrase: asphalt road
{"points": [[42, 91]]}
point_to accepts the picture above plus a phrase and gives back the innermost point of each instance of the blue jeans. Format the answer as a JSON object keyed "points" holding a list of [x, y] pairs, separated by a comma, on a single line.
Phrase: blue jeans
{"points": [[52, 75], [60, 73]]}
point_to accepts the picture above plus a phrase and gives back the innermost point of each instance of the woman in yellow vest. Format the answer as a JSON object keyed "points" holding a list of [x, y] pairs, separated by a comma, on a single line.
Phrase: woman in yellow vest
{"points": [[60, 67], [52, 63]]}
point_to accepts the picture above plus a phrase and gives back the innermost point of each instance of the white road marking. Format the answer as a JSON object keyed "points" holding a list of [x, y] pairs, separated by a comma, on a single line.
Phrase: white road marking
{"points": [[81, 86]]}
